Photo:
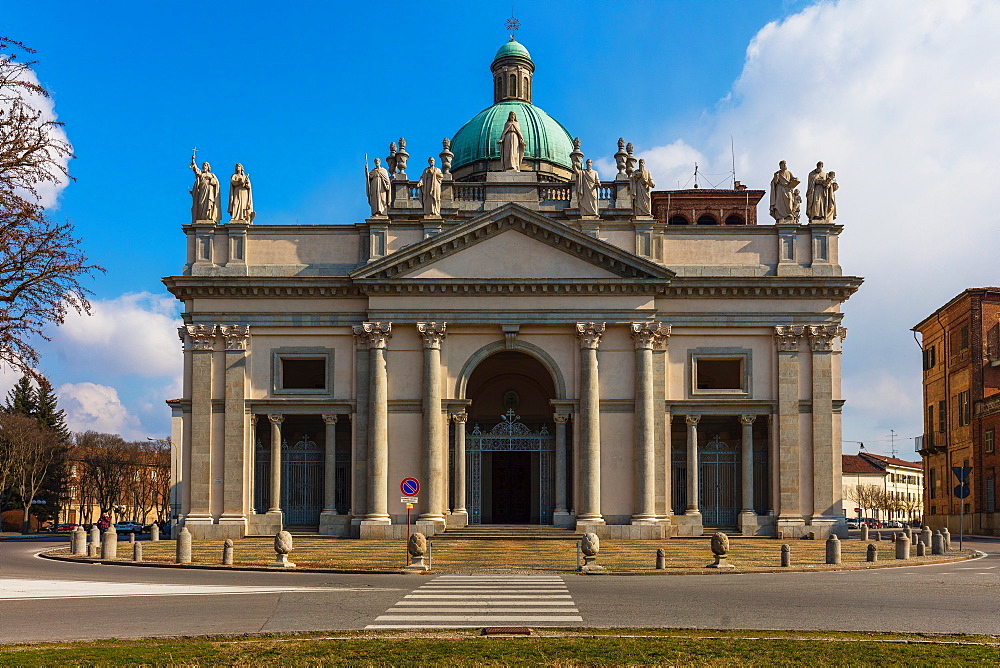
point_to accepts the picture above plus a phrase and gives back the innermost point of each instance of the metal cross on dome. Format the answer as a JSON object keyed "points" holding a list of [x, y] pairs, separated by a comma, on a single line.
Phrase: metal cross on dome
{"points": [[512, 23]]}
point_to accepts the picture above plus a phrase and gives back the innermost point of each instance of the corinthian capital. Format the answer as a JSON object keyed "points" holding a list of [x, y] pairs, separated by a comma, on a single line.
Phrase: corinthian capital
{"points": [[462, 417], [589, 334], [197, 337], [236, 336], [786, 337], [432, 333], [650, 334], [692, 420], [821, 336], [373, 334]]}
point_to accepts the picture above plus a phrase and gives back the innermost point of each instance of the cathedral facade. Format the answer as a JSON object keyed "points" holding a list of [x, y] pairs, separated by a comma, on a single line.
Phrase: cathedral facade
{"points": [[533, 344]]}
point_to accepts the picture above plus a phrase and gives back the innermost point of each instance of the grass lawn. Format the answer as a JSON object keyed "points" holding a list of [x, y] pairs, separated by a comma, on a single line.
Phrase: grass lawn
{"points": [[547, 647]]}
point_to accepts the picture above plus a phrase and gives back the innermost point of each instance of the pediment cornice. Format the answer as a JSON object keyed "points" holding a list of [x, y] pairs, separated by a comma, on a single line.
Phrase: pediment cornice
{"points": [[601, 254]]}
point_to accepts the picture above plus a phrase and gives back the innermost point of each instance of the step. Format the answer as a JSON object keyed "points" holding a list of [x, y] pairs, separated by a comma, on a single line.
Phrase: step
{"points": [[508, 532]]}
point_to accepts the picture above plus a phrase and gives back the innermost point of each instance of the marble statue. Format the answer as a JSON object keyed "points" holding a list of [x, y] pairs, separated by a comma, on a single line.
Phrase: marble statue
{"points": [[390, 160], [782, 204], [642, 183], [577, 155], [587, 183], [240, 196], [204, 194], [821, 202], [430, 189], [378, 188], [796, 204], [511, 145]]}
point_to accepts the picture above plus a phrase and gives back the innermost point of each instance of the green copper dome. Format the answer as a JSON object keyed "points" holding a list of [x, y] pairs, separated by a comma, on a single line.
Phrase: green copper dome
{"points": [[512, 48], [545, 137]]}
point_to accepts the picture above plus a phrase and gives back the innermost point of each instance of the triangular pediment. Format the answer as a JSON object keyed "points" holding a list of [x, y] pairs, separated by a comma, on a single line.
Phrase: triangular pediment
{"points": [[512, 243]]}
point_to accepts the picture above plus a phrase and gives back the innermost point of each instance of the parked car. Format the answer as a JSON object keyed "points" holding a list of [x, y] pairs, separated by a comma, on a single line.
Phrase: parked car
{"points": [[893, 524], [853, 524], [128, 527], [66, 527]]}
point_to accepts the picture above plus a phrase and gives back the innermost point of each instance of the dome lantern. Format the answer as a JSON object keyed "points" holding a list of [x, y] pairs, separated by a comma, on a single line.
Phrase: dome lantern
{"points": [[512, 70]]}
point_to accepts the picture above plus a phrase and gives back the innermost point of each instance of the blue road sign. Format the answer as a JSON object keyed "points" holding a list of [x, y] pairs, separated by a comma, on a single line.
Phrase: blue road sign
{"points": [[409, 486], [962, 491], [962, 473]]}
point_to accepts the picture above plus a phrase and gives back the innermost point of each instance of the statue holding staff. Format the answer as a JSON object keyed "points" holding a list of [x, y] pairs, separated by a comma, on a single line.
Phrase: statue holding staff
{"points": [[204, 194]]}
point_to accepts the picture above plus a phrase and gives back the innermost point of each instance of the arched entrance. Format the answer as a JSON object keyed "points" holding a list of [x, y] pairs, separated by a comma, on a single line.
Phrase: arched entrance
{"points": [[509, 449]]}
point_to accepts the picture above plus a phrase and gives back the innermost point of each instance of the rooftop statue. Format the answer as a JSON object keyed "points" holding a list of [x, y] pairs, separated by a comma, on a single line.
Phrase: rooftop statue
{"points": [[430, 189], [204, 194], [378, 188], [642, 183], [587, 183], [821, 198], [782, 203], [511, 145], [240, 196], [577, 155]]}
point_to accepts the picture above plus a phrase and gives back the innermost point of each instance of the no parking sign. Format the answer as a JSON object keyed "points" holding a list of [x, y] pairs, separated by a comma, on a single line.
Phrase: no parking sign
{"points": [[409, 486]]}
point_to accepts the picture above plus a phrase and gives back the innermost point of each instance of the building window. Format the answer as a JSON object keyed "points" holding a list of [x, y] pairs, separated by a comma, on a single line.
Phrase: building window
{"points": [[933, 510], [989, 492], [734, 219], [988, 441], [964, 337], [677, 220], [929, 358], [942, 417], [932, 483], [720, 371], [512, 91], [964, 406], [302, 371], [930, 422], [707, 220]]}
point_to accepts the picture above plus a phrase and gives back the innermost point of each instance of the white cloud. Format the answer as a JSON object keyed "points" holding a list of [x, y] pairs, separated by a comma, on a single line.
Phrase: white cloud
{"points": [[900, 98], [132, 334], [90, 406]]}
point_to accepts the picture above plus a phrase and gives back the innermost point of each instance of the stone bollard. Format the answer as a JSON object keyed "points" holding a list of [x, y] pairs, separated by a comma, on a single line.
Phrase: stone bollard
{"points": [[937, 543], [872, 555], [786, 555], [227, 552], [131, 536], [154, 532], [183, 555], [137, 552], [903, 547], [95, 535], [109, 544], [833, 550], [282, 547], [93, 551], [417, 549], [878, 535], [720, 550], [947, 539], [921, 549], [661, 559], [78, 542], [590, 545], [925, 537], [864, 532], [908, 530]]}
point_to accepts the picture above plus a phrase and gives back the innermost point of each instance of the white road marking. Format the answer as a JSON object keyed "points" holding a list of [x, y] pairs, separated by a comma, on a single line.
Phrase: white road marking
{"points": [[14, 589], [462, 601]]}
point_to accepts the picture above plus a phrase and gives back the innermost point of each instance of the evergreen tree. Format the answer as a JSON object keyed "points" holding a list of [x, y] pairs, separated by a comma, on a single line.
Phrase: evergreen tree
{"points": [[22, 398], [47, 410]]}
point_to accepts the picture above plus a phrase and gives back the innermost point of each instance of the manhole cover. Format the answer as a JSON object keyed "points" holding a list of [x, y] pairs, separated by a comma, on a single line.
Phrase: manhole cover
{"points": [[506, 631]]}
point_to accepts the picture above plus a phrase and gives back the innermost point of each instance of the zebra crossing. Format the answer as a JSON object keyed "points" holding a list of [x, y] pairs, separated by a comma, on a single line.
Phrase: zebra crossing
{"points": [[462, 601]]}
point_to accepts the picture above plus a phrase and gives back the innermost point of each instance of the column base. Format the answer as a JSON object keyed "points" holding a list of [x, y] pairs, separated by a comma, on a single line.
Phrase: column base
{"points": [[264, 524], [591, 518], [645, 519], [430, 518], [790, 527], [689, 524], [748, 524], [457, 518], [563, 519], [825, 526], [373, 520], [429, 528], [332, 524]]}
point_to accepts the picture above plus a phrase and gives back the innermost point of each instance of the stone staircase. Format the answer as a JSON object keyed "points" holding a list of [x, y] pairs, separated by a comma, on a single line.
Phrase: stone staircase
{"points": [[526, 532]]}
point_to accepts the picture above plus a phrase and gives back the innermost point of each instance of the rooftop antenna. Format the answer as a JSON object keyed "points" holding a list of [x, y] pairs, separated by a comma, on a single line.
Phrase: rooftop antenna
{"points": [[512, 23], [892, 439], [732, 151], [696, 175]]}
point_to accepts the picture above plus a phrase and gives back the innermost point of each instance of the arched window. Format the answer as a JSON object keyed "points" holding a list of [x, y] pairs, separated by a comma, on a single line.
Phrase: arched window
{"points": [[512, 91], [498, 93], [677, 220], [733, 219], [525, 90], [707, 220]]}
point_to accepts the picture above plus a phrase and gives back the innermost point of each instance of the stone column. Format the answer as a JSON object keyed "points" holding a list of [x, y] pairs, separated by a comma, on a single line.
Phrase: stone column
{"points": [[790, 519], [234, 510], [645, 336], [378, 334], [359, 433], [252, 465], [560, 515], [692, 465], [433, 442], [276, 421], [748, 516], [589, 335], [826, 456], [330, 466], [200, 340], [460, 510]]}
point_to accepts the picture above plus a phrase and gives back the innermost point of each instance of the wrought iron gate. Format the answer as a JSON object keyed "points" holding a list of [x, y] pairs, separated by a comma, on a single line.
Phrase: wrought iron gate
{"points": [[508, 436], [302, 467], [719, 483]]}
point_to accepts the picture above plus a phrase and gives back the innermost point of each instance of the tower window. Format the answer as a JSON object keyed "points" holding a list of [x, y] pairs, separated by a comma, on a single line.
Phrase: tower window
{"points": [[677, 220], [513, 86], [707, 220], [734, 219]]}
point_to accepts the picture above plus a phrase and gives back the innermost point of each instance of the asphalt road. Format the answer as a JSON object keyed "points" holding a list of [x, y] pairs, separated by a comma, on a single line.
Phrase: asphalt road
{"points": [[43, 600]]}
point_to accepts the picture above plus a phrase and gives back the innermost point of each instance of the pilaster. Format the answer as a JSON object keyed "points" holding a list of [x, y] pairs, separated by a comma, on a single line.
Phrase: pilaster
{"points": [[787, 338], [200, 341], [235, 470], [359, 452], [748, 516], [460, 513], [826, 496], [560, 515]]}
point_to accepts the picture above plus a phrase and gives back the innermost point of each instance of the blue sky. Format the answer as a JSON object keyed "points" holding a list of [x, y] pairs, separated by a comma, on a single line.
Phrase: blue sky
{"points": [[299, 92]]}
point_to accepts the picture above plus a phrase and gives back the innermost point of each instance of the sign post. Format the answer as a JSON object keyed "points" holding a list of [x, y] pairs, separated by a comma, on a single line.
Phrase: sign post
{"points": [[962, 492], [408, 488]]}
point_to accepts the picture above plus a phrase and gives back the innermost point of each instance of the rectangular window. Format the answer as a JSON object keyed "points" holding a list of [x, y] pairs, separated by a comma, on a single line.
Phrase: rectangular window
{"points": [[964, 337], [720, 371], [930, 420], [933, 510], [990, 492], [988, 441], [963, 406], [942, 417], [933, 483], [302, 371]]}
